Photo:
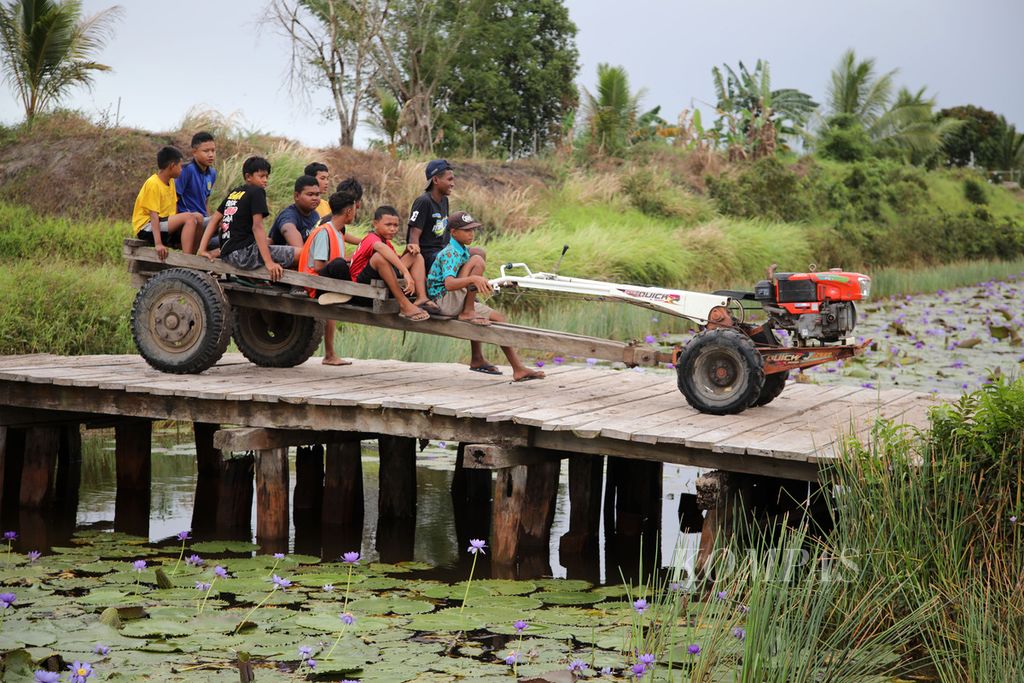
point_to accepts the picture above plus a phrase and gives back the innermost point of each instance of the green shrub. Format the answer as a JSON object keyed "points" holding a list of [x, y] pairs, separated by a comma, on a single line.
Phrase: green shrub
{"points": [[765, 189], [974, 192], [844, 139], [654, 195]]}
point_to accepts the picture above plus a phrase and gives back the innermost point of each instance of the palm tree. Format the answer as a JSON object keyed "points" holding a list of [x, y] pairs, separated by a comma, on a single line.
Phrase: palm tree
{"points": [[48, 48], [611, 117], [906, 127], [909, 129], [857, 91]]}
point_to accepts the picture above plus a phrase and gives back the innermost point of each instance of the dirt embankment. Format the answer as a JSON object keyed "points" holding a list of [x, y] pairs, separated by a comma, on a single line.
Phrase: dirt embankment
{"points": [[69, 166]]}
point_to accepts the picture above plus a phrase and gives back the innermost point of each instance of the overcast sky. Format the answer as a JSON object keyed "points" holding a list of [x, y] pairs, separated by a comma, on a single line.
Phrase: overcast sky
{"points": [[170, 56]]}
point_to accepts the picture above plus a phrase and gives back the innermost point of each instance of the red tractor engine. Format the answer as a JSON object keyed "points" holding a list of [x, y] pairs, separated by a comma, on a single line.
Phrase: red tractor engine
{"points": [[813, 306]]}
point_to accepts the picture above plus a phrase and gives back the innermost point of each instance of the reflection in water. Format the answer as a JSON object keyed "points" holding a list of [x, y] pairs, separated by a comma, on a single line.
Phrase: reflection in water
{"points": [[436, 541]]}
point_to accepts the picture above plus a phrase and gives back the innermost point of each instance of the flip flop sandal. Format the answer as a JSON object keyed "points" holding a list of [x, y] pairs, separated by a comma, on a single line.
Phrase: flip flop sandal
{"points": [[487, 370], [479, 322], [415, 317], [431, 308]]}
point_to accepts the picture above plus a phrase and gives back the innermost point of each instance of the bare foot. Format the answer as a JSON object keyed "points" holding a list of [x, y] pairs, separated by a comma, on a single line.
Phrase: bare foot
{"points": [[335, 360], [476, 320], [525, 375]]}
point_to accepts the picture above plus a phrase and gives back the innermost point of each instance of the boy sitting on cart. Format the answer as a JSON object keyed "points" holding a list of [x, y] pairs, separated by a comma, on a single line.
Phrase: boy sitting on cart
{"points": [[456, 280]]}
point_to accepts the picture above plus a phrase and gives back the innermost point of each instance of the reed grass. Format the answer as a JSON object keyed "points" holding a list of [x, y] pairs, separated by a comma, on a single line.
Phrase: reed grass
{"points": [[896, 281]]}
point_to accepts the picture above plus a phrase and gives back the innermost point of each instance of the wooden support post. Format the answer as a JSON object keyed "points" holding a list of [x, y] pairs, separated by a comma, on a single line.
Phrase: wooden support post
{"points": [[272, 499], [307, 499], [586, 473], [397, 498], [524, 507], [3, 460], [204, 507], [396, 501], [39, 468], [69, 466], [13, 451], [133, 451], [234, 496], [343, 485], [471, 500], [309, 481], [723, 495], [632, 516]]}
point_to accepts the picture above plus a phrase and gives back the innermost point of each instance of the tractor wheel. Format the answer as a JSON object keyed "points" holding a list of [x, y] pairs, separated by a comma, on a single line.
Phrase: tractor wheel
{"points": [[276, 340], [721, 372], [181, 321], [775, 382]]}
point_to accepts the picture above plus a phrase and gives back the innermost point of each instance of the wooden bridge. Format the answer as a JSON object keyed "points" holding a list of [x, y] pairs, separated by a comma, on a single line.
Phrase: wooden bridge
{"points": [[521, 430]]}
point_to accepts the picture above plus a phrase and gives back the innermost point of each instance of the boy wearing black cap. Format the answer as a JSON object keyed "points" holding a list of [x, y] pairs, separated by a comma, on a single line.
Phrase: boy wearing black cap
{"points": [[428, 220], [456, 280]]}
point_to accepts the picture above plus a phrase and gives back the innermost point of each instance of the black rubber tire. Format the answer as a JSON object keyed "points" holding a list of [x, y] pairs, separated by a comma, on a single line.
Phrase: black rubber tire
{"points": [[276, 340], [729, 353], [775, 382], [181, 321]]}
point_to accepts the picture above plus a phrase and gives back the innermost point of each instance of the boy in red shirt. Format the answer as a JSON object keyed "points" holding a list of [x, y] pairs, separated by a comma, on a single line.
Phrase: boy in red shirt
{"points": [[376, 259]]}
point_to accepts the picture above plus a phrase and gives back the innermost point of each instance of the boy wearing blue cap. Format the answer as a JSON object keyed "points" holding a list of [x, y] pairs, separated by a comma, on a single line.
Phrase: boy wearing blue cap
{"points": [[428, 220]]}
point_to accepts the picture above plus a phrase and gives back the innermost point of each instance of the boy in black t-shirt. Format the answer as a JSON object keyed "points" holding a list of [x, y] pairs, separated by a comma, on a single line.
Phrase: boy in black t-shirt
{"points": [[428, 220], [240, 217]]}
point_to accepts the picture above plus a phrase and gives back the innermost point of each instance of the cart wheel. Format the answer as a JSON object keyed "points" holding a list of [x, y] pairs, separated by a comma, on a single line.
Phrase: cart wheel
{"points": [[721, 372], [181, 321], [276, 340], [775, 382]]}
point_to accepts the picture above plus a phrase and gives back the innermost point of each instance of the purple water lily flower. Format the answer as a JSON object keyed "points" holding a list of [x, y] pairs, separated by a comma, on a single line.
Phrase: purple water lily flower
{"points": [[739, 633], [1013, 519], [33, 555], [184, 535], [646, 659], [520, 625], [278, 556], [328, 588], [79, 671], [650, 339], [220, 572], [558, 360], [539, 364], [203, 586], [722, 595], [101, 650], [639, 669], [512, 658], [311, 663], [476, 545], [348, 619], [281, 583], [47, 677], [694, 649], [351, 557], [577, 665], [7, 599], [194, 560], [305, 651], [640, 605], [139, 565], [591, 362], [10, 535]]}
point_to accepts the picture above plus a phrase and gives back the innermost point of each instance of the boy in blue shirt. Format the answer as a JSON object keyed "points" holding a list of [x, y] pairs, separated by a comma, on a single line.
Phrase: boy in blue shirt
{"points": [[297, 220], [196, 182], [455, 281]]}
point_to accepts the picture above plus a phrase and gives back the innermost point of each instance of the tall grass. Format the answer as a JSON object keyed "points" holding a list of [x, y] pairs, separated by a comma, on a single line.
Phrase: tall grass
{"points": [[25, 234], [892, 281], [57, 307]]}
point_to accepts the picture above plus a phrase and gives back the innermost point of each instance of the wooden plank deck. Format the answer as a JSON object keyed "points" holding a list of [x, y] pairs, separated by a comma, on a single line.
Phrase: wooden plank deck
{"points": [[576, 409]]}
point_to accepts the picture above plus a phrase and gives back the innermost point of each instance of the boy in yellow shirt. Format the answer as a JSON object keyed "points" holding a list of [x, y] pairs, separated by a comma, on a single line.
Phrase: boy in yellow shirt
{"points": [[154, 218]]}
